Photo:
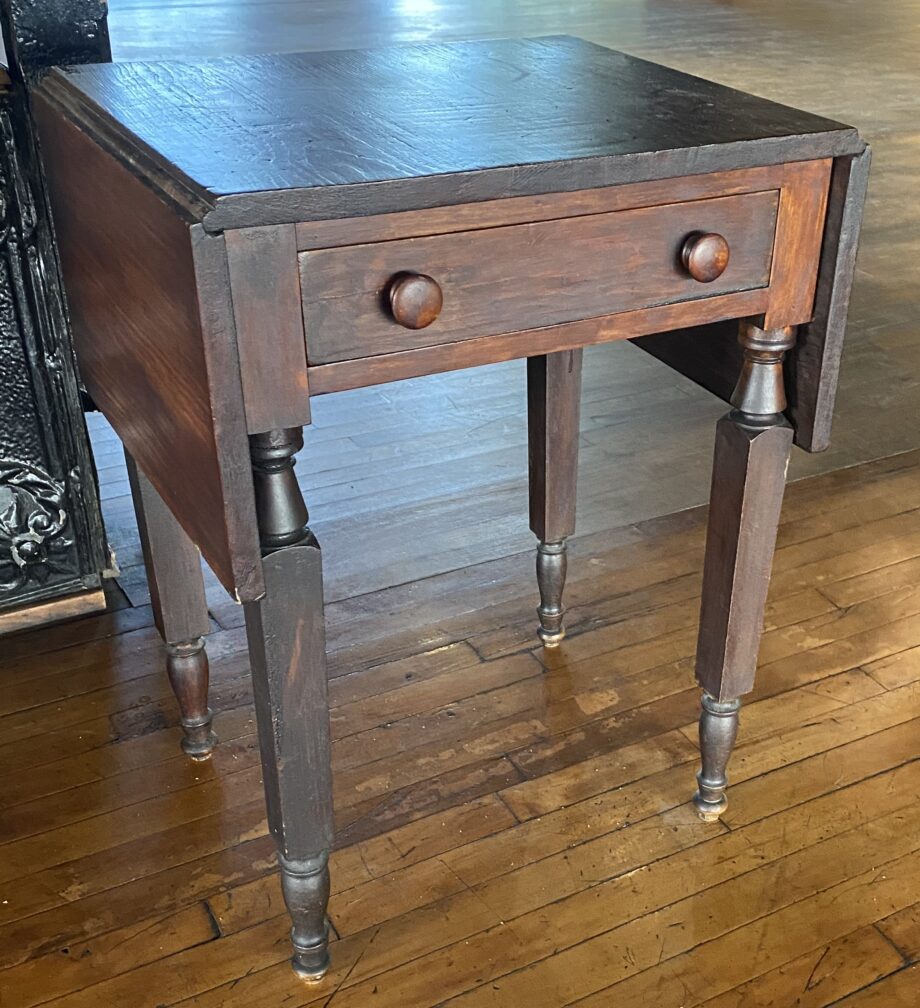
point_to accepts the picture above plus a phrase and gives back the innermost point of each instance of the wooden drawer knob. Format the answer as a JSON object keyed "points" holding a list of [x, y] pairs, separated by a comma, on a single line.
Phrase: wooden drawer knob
{"points": [[415, 300], [705, 256]]}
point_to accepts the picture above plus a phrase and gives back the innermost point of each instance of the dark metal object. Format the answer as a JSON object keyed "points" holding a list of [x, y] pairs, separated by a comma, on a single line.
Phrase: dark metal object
{"points": [[753, 442], [39, 34], [705, 256], [288, 655], [52, 542], [34, 527]]}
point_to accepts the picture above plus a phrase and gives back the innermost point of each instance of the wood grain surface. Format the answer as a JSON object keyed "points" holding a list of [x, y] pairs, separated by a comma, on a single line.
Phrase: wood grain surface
{"points": [[269, 327], [411, 126], [813, 371], [452, 500], [800, 229], [423, 360], [526, 209], [153, 329], [525, 276], [553, 411], [172, 564]]}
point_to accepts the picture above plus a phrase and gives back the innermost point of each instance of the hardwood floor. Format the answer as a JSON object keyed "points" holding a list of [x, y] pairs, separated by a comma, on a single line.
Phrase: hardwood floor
{"points": [[514, 825]]}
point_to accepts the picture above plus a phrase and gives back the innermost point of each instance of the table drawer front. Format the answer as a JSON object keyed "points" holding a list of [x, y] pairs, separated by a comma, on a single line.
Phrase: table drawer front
{"points": [[524, 276]]}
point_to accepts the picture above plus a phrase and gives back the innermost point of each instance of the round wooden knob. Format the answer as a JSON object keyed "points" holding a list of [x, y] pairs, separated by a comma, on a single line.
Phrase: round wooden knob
{"points": [[415, 300], [705, 256]]}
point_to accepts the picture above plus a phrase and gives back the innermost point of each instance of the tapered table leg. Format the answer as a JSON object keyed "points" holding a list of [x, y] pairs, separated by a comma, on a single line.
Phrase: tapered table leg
{"points": [[748, 479], [553, 407], [180, 609], [288, 655]]}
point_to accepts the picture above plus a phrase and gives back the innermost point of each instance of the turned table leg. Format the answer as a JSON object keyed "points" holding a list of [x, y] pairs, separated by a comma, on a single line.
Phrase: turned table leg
{"points": [[553, 404], [180, 609], [748, 478], [288, 655]]}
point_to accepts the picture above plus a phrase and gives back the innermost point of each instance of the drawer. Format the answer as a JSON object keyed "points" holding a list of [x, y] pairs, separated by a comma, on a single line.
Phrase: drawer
{"points": [[526, 276]]}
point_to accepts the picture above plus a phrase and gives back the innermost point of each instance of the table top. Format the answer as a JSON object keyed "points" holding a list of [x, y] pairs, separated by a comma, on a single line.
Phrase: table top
{"points": [[410, 126]]}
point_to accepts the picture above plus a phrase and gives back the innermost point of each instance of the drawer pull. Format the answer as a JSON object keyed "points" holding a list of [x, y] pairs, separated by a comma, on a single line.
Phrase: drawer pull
{"points": [[705, 256], [415, 300]]}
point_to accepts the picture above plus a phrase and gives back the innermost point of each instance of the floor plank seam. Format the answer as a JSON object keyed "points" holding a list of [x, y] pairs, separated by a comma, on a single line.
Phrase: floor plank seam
{"points": [[510, 756], [612, 987], [704, 839], [868, 987], [905, 958], [212, 917], [910, 761]]}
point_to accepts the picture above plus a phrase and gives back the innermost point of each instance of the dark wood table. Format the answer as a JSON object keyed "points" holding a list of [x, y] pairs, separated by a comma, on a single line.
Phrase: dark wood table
{"points": [[243, 234]]}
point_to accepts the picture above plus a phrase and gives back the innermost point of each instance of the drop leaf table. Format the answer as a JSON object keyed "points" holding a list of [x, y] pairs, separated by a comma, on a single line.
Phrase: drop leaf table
{"points": [[240, 235]]}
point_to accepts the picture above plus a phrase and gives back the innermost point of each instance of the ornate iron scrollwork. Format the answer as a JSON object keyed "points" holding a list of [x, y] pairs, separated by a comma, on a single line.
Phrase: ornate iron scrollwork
{"points": [[33, 526], [51, 537]]}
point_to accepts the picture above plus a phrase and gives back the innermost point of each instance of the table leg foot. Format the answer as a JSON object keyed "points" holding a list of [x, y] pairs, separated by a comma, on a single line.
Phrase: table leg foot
{"points": [[305, 885], [551, 570], [187, 667], [718, 731]]}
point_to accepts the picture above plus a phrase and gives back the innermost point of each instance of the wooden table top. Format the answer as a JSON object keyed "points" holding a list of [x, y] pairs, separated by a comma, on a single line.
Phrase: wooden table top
{"points": [[269, 139]]}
